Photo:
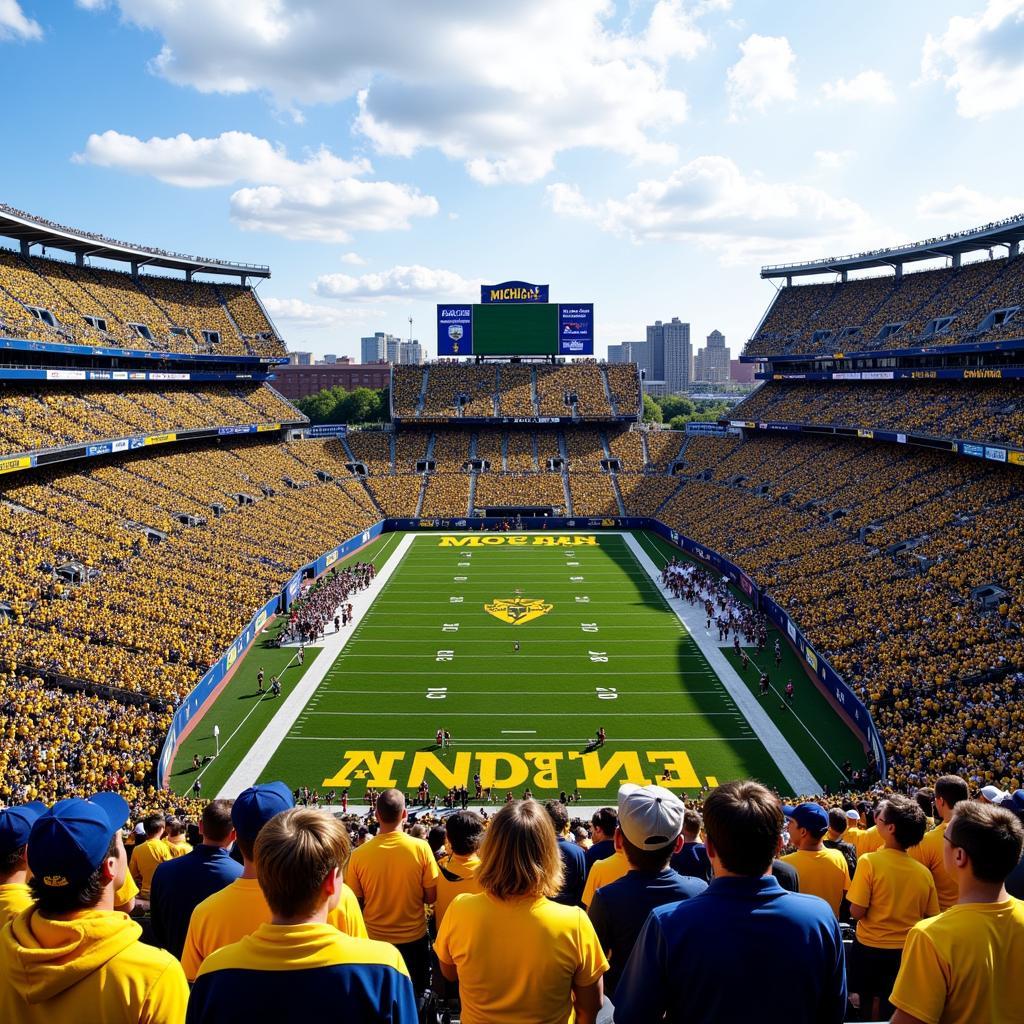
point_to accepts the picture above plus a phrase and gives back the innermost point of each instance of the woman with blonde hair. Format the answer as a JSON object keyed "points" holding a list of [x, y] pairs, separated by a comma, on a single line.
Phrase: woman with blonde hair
{"points": [[520, 958]]}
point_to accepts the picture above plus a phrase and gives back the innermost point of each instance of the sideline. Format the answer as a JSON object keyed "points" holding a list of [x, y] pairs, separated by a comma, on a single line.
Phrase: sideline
{"points": [[795, 772], [248, 770]]}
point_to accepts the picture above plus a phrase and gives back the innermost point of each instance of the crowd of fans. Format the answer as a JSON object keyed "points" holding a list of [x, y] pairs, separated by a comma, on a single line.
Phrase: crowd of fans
{"points": [[326, 606], [904, 905], [991, 413], [819, 318], [515, 390]]}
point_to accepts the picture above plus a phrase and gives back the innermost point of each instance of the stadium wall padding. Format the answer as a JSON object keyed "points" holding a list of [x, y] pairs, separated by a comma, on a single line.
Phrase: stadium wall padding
{"points": [[842, 697]]}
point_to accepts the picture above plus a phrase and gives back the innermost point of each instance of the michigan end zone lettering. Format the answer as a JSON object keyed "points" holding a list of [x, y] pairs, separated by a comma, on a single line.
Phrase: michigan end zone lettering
{"points": [[492, 540], [501, 770]]}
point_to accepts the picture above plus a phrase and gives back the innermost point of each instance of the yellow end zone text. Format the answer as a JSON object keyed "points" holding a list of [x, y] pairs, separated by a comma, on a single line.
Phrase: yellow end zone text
{"points": [[516, 541]]}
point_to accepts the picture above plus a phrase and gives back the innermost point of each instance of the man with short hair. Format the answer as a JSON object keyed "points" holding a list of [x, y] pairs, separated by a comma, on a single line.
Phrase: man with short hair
{"points": [[393, 876], [950, 790], [15, 825], [822, 872], [712, 958], [464, 832], [837, 825], [649, 834], [889, 894], [174, 837], [574, 859], [70, 956], [150, 854], [691, 860], [180, 885], [602, 836], [301, 855], [967, 964]]}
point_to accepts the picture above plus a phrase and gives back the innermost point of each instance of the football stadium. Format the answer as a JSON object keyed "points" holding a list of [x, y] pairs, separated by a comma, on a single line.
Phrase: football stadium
{"points": [[518, 705]]}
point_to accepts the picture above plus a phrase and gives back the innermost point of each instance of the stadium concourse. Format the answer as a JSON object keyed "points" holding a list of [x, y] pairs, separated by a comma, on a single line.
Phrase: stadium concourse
{"points": [[159, 493]]}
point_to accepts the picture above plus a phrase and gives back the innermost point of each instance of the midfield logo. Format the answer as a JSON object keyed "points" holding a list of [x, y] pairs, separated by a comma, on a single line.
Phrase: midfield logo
{"points": [[517, 610]]}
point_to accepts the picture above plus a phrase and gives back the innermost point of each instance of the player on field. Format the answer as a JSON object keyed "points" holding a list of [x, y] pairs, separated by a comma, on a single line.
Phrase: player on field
{"points": [[789, 692]]}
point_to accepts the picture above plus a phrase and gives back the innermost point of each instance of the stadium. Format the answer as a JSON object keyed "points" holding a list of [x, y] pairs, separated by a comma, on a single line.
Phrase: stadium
{"points": [[525, 674]]}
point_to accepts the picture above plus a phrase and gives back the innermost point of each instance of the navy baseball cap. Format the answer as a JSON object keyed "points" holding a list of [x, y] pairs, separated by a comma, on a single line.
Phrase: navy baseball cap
{"points": [[69, 842], [16, 824], [812, 817], [254, 807]]}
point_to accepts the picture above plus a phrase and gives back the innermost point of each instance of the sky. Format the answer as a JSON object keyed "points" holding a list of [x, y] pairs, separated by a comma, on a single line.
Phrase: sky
{"points": [[648, 156]]}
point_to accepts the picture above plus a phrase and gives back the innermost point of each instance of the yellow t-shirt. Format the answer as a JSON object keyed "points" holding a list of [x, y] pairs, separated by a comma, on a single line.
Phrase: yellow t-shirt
{"points": [[929, 853], [238, 910], [867, 840], [90, 967], [518, 959], [898, 892], [823, 873], [965, 966], [850, 836], [128, 891], [457, 875], [388, 874], [604, 872], [14, 898], [178, 849], [147, 857]]}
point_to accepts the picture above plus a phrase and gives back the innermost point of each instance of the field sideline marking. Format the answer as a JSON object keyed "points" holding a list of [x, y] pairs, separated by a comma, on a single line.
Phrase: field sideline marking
{"points": [[465, 742], [789, 763], [248, 770]]}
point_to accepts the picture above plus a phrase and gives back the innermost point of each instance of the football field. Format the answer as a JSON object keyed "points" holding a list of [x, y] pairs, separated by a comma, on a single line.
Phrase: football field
{"points": [[521, 646]]}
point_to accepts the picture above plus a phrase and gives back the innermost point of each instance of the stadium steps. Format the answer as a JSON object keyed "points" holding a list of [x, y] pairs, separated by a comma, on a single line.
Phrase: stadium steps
{"points": [[565, 488], [563, 449], [612, 404], [614, 478], [496, 397], [231, 319], [504, 451], [603, 435], [422, 399], [429, 453], [534, 397], [471, 503], [474, 436], [644, 448], [536, 449], [422, 495]]}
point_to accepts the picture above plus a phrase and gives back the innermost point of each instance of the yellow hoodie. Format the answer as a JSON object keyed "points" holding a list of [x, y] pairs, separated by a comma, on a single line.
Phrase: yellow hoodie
{"points": [[89, 968]]}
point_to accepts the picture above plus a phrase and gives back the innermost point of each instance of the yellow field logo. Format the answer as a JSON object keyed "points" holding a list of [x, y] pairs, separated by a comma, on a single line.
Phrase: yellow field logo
{"points": [[517, 610]]}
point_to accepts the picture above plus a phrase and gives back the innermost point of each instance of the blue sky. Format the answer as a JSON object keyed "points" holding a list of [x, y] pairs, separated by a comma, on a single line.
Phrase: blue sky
{"points": [[381, 157]]}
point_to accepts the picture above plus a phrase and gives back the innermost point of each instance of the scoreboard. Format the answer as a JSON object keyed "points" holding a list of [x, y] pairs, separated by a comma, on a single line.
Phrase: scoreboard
{"points": [[517, 326]]}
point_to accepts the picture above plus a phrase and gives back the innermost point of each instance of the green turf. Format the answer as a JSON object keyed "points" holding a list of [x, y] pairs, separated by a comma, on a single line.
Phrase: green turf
{"points": [[375, 698]]}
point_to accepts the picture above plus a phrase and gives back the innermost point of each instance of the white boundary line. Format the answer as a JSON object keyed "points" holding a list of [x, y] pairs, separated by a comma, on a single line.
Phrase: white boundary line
{"points": [[796, 773], [248, 770]]}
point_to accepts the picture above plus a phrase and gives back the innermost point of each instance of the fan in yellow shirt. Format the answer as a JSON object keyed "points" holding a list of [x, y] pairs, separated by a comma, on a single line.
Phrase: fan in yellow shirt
{"points": [[71, 956], [15, 825], [604, 872], [519, 957], [149, 855], [967, 964], [174, 837], [464, 831], [889, 894], [823, 873], [950, 791]]}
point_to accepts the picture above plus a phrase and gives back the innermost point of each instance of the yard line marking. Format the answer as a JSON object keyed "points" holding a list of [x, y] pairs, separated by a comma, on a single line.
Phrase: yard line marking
{"points": [[464, 741], [525, 732], [541, 693], [516, 714]]}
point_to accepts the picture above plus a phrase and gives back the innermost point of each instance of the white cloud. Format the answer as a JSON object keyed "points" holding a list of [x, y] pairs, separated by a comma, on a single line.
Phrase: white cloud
{"points": [[866, 87], [740, 217], [962, 207], [307, 314], [503, 90], [353, 259], [412, 282], [322, 198], [981, 59], [832, 159], [762, 76], [15, 25]]}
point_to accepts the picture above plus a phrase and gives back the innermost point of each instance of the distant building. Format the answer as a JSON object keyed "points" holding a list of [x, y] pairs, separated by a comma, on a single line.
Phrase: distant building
{"points": [[300, 381], [375, 348], [300, 358], [330, 359], [712, 362], [741, 373], [670, 355], [389, 348]]}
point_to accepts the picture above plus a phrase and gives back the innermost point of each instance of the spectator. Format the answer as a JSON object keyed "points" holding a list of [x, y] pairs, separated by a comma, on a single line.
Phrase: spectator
{"points": [[967, 964], [651, 820], [692, 860], [602, 836], [823, 873], [574, 858], [837, 824], [150, 854], [889, 894], [518, 955], [301, 855], [458, 867], [15, 825], [950, 790], [240, 908], [70, 956], [180, 885], [684, 964], [174, 836], [393, 876]]}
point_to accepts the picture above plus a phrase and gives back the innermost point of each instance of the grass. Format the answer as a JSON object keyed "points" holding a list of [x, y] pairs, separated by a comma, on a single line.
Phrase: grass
{"points": [[621, 660]]}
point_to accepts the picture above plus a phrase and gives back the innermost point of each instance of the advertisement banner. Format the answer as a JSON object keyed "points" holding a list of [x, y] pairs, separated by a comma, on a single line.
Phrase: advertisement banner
{"points": [[65, 374], [21, 462], [454, 330], [514, 291], [995, 454], [99, 449], [1017, 458], [977, 450], [120, 445], [240, 429], [576, 330], [168, 376], [262, 428], [159, 439]]}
